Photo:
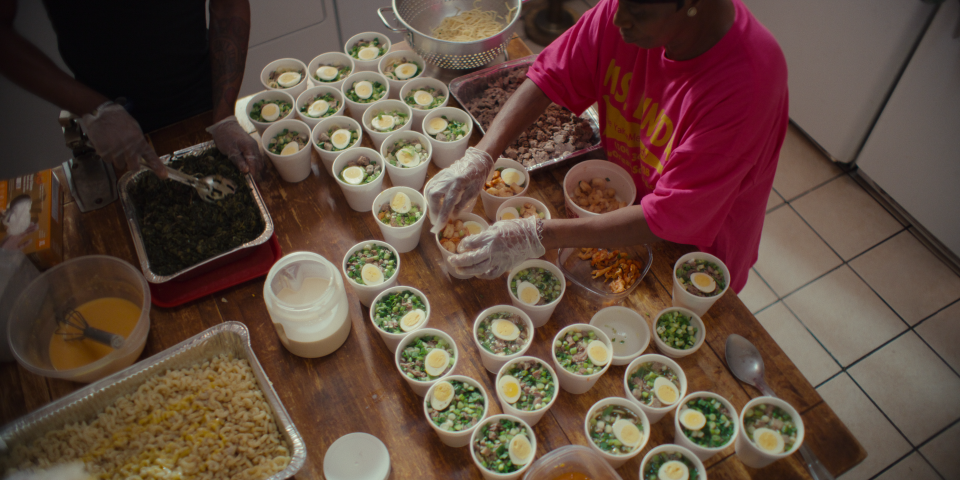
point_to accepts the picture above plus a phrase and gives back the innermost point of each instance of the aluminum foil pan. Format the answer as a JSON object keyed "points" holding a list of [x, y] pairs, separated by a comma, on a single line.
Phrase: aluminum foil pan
{"points": [[130, 211], [83, 405], [471, 86]]}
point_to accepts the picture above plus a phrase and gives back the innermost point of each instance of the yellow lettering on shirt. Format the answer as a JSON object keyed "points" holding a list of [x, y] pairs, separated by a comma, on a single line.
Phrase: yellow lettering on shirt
{"points": [[613, 73], [631, 135], [624, 87]]}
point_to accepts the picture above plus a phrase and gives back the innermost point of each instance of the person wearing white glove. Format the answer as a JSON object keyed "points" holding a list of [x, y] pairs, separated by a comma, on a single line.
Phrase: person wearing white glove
{"points": [[453, 188]]}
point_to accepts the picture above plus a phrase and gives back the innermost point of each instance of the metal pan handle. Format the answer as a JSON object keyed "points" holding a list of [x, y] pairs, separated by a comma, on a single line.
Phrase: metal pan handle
{"points": [[386, 22]]}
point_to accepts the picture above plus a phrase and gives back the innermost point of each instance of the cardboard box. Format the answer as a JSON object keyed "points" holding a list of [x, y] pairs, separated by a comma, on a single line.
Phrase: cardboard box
{"points": [[32, 217]]}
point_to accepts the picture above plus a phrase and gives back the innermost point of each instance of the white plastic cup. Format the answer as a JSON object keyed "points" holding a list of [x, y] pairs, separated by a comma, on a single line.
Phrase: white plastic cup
{"points": [[654, 414], [335, 122], [421, 387], [295, 90], [539, 314], [491, 361], [305, 99], [292, 168], [359, 197], [367, 65], [572, 382], [417, 84], [366, 293], [270, 95], [620, 180], [405, 238], [534, 416], [376, 136], [683, 298], [627, 329], [748, 452], [334, 59], [468, 208], [616, 461], [491, 203], [672, 352], [445, 153], [446, 254], [461, 438], [392, 340], [490, 475], [517, 202], [396, 56], [412, 177], [670, 448], [703, 453], [356, 109]]}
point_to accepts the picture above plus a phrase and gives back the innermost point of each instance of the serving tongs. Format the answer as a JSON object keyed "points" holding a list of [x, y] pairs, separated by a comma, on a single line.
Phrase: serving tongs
{"points": [[210, 188]]}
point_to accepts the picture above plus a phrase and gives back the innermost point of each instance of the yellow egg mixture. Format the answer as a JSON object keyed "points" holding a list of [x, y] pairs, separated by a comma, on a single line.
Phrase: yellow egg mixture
{"points": [[111, 314]]}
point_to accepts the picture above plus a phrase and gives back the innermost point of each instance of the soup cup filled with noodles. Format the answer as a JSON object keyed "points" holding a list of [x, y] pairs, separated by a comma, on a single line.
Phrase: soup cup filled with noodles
{"points": [[400, 213], [317, 103], [448, 240], [449, 130], [334, 135], [508, 179], [595, 187], [286, 144], [407, 155], [330, 69], [424, 94], [268, 107], [366, 49], [400, 67], [522, 207], [385, 118], [363, 89], [287, 74]]}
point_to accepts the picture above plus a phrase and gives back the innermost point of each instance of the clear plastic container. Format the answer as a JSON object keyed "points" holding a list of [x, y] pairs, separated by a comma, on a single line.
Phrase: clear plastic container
{"points": [[307, 303], [580, 272], [571, 459]]}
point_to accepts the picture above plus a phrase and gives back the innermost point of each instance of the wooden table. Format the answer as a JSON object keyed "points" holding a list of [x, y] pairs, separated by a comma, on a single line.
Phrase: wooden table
{"points": [[357, 389]]}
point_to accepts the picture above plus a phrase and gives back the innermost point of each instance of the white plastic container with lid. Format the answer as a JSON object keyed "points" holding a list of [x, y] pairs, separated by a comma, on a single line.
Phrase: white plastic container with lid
{"points": [[307, 303]]}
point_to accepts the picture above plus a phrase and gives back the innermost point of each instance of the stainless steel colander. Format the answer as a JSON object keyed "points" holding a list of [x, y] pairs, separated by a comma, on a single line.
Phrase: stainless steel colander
{"points": [[419, 17]]}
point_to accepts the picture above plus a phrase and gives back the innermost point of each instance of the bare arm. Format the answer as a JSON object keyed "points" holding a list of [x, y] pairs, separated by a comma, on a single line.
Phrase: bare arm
{"points": [[522, 109], [620, 228], [229, 37]]}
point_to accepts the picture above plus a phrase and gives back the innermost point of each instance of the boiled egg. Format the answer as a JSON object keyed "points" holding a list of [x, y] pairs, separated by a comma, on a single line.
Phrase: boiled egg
{"points": [[703, 282], [288, 79], [327, 73], [505, 330], [443, 394], [512, 176], [371, 274], [528, 293], [509, 214], [290, 148], [368, 53], [473, 228], [408, 157], [383, 122], [627, 432], [363, 89], [598, 353], [692, 419], [768, 440], [520, 450], [341, 138], [424, 99], [666, 391], [353, 175], [436, 125], [510, 388], [412, 320], [406, 70], [436, 362], [673, 470], [318, 108], [270, 112], [401, 203]]}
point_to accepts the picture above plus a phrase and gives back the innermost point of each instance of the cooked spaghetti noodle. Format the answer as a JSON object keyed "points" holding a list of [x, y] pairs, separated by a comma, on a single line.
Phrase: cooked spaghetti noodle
{"points": [[473, 24]]}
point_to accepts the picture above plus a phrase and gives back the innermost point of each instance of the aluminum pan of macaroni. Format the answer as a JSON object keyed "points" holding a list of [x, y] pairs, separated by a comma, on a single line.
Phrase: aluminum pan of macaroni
{"points": [[130, 212], [231, 338], [471, 86]]}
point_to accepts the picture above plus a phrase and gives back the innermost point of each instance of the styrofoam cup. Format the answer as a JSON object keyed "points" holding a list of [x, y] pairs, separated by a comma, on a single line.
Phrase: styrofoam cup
{"points": [[418, 83], [367, 65], [446, 254], [539, 314], [490, 475], [468, 208], [627, 329], [672, 352], [517, 202], [445, 153], [295, 90], [356, 109], [292, 168], [336, 122], [654, 414], [748, 452], [305, 99], [616, 461], [572, 382], [359, 197], [333, 59], [366, 293], [421, 387], [397, 56], [619, 179], [376, 136], [492, 202], [670, 448], [412, 177], [270, 95], [703, 453], [405, 238], [532, 417], [683, 298], [392, 340], [491, 361], [461, 438]]}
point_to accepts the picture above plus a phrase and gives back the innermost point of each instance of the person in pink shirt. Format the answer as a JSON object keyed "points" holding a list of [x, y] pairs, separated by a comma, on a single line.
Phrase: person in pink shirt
{"points": [[692, 96]]}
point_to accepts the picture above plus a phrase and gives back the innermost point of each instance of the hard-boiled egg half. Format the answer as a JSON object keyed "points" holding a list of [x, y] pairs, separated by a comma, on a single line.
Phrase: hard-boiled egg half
{"points": [[442, 395], [768, 440], [666, 391], [510, 388], [371, 274], [528, 293], [341, 138], [627, 432], [406, 70], [673, 470], [408, 157], [288, 79], [270, 112], [327, 73], [290, 148], [436, 125], [368, 53], [318, 108], [692, 419], [472, 227], [412, 320], [401, 203], [705, 283], [520, 450], [353, 175], [598, 353], [505, 330], [383, 122], [509, 214], [423, 98], [363, 89], [436, 362], [512, 176]]}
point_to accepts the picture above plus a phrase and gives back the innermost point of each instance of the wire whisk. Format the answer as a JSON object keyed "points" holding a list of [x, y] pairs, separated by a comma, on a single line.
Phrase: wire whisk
{"points": [[73, 326]]}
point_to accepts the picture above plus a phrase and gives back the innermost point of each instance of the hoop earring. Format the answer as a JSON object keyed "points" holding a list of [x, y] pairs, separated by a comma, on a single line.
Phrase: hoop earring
{"points": [[692, 11]]}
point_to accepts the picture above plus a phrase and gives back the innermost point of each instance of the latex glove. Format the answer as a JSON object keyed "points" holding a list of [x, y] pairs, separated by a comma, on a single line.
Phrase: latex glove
{"points": [[117, 138], [234, 142], [497, 249], [450, 190]]}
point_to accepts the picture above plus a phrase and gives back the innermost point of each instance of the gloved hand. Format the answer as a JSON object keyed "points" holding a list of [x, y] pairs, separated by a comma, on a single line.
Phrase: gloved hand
{"points": [[237, 145], [455, 186], [498, 249], [117, 138]]}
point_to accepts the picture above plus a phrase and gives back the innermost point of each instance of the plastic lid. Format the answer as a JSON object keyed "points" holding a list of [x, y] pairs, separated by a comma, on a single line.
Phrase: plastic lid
{"points": [[357, 456]]}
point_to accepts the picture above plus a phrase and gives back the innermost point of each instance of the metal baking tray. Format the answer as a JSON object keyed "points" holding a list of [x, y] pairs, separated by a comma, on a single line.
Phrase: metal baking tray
{"points": [[472, 86], [579, 271], [85, 404], [130, 211]]}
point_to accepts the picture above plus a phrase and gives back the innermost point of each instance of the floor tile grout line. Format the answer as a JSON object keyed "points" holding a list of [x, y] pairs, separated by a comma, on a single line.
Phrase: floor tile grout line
{"points": [[898, 232], [894, 425], [811, 189], [895, 462], [815, 232], [939, 432], [805, 327]]}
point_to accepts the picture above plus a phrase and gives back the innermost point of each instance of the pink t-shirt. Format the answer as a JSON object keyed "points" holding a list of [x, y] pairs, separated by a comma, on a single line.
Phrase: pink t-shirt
{"points": [[700, 137]]}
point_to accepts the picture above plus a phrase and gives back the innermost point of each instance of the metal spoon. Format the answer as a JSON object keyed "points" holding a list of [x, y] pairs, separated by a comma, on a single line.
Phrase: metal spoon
{"points": [[210, 188], [746, 364]]}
